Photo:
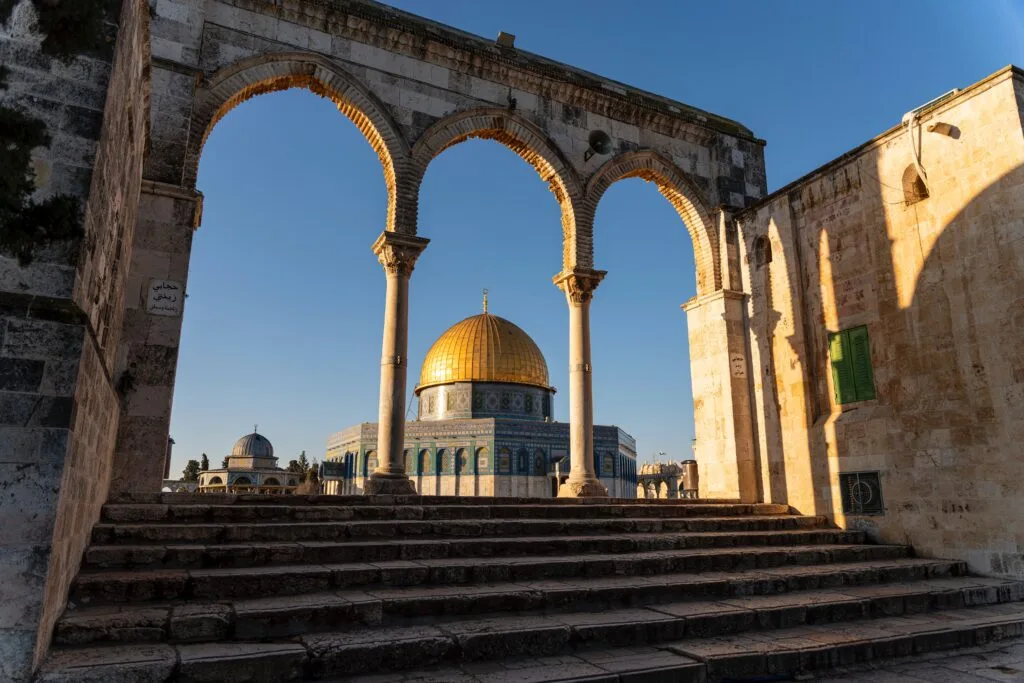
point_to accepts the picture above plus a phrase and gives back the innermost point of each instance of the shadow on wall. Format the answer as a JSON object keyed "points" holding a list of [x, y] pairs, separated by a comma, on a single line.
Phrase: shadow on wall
{"points": [[948, 423]]}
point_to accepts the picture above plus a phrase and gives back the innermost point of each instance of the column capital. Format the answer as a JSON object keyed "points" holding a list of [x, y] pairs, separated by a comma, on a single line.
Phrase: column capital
{"points": [[398, 252], [579, 284]]}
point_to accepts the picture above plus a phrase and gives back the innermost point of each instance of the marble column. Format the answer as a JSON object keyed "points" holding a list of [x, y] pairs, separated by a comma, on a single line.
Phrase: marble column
{"points": [[579, 286], [398, 254]]}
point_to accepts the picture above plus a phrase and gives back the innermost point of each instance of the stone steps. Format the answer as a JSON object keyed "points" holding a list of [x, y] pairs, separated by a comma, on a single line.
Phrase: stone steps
{"points": [[372, 605], [101, 587], [753, 636], [183, 554], [227, 532], [321, 511], [239, 588]]}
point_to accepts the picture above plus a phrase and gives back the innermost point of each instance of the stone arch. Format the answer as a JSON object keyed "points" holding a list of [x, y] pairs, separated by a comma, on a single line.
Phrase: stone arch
{"points": [[215, 481], [678, 190], [526, 140], [272, 481], [248, 78]]}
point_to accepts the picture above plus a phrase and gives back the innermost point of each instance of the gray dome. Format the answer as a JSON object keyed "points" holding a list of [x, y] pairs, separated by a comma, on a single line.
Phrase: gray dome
{"points": [[253, 446]]}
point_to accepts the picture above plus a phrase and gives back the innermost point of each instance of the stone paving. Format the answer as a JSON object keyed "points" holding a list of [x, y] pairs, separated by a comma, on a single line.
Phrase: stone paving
{"points": [[999, 662]]}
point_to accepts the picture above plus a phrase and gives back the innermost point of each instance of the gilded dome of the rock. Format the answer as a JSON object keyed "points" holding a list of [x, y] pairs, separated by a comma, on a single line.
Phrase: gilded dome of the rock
{"points": [[484, 348]]}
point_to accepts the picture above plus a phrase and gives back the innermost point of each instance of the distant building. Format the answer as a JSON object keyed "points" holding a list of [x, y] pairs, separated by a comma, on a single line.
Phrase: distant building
{"points": [[252, 468], [485, 425]]}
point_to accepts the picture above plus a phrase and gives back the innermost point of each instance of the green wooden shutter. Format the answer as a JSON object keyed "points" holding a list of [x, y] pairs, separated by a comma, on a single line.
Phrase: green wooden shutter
{"points": [[860, 355], [842, 368]]}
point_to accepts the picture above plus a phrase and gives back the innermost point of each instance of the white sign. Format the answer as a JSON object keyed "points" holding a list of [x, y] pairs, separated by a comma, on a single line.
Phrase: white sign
{"points": [[165, 297]]}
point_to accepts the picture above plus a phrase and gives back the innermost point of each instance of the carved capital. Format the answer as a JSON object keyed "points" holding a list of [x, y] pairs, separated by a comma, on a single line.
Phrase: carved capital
{"points": [[579, 285], [398, 253]]}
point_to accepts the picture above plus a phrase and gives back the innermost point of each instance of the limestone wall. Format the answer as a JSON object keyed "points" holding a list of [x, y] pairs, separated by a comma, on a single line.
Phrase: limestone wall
{"points": [[60, 323], [938, 284]]}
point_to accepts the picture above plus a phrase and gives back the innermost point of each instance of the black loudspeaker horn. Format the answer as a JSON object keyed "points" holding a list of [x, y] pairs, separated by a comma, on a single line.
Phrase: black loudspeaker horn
{"points": [[600, 143]]}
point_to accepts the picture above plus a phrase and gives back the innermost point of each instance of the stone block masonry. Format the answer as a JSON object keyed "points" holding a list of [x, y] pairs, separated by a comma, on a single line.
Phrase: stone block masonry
{"points": [[60, 318]]}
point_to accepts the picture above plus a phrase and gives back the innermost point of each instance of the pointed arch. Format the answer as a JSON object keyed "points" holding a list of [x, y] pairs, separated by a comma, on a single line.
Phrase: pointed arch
{"points": [[248, 78], [680, 192], [525, 139]]}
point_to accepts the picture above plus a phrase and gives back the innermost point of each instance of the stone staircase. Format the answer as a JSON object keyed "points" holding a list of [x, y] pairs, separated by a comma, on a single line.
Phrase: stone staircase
{"points": [[228, 588]]}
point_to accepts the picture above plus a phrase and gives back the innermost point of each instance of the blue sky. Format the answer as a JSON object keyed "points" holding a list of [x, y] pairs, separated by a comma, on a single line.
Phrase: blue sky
{"points": [[285, 310]]}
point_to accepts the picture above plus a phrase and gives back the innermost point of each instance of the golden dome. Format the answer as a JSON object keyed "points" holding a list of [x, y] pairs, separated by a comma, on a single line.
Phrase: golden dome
{"points": [[484, 348]]}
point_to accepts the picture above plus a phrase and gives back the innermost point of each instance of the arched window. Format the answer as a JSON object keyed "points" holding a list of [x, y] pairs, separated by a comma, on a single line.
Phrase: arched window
{"points": [[407, 453], [608, 468], [762, 251], [522, 462], [462, 461], [423, 466], [540, 462], [271, 482], [215, 481], [914, 189], [505, 460], [242, 481], [371, 462], [482, 459], [444, 461]]}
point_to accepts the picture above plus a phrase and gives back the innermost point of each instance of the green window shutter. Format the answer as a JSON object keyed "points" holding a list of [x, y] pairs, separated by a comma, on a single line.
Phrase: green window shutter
{"points": [[842, 368], [860, 355]]}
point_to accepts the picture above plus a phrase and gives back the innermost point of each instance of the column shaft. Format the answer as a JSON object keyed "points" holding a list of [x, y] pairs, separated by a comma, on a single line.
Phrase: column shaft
{"points": [[398, 254], [583, 482]]}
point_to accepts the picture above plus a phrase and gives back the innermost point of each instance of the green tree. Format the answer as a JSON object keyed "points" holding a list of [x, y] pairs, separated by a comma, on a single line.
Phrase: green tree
{"points": [[191, 471], [300, 466], [204, 464], [224, 463]]}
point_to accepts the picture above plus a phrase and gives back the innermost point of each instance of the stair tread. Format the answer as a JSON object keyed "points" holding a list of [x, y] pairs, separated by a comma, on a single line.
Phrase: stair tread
{"points": [[757, 651], [98, 574], [582, 581]]}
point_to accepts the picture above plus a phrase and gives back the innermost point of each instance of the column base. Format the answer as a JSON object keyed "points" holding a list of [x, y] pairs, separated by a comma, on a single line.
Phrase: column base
{"points": [[582, 489], [389, 485]]}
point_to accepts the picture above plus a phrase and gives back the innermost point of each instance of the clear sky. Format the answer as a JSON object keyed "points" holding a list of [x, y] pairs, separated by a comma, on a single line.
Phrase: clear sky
{"points": [[285, 310]]}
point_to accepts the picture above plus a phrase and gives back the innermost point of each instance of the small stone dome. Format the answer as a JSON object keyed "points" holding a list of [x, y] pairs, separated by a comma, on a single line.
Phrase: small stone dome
{"points": [[253, 446]]}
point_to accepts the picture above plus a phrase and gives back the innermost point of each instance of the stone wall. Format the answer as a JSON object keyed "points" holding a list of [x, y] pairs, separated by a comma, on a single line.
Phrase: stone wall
{"points": [[59, 323], [937, 283]]}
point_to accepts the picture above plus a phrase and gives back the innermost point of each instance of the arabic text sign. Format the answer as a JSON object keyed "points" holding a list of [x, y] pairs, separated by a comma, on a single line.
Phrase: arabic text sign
{"points": [[165, 297]]}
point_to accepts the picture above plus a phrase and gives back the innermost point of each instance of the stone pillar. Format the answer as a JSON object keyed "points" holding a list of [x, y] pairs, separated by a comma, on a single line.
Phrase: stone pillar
{"points": [[398, 254], [725, 454], [579, 286], [147, 357]]}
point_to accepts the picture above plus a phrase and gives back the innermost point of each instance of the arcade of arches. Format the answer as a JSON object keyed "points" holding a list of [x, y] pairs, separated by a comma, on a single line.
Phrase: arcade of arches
{"points": [[854, 340]]}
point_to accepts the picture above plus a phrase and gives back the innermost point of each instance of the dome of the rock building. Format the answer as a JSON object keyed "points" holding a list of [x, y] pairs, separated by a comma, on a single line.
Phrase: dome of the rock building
{"points": [[484, 348], [253, 446]]}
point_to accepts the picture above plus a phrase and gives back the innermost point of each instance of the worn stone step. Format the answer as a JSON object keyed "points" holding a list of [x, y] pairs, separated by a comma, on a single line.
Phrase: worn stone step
{"points": [[691, 629], [260, 578], [203, 511], [146, 498], [229, 532], [246, 618], [789, 654], [316, 552]]}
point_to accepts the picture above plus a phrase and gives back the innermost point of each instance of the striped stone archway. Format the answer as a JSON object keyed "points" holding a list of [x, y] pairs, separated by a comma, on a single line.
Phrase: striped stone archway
{"points": [[248, 78], [680, 192], [526, 140]]}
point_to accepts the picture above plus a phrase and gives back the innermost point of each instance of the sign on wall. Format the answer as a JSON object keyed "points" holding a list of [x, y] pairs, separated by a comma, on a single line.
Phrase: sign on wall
{"points": [[165, 297]]}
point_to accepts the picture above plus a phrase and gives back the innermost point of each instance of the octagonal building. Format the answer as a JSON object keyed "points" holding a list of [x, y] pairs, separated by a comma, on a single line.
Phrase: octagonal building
{"points": [[485, 423]]}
